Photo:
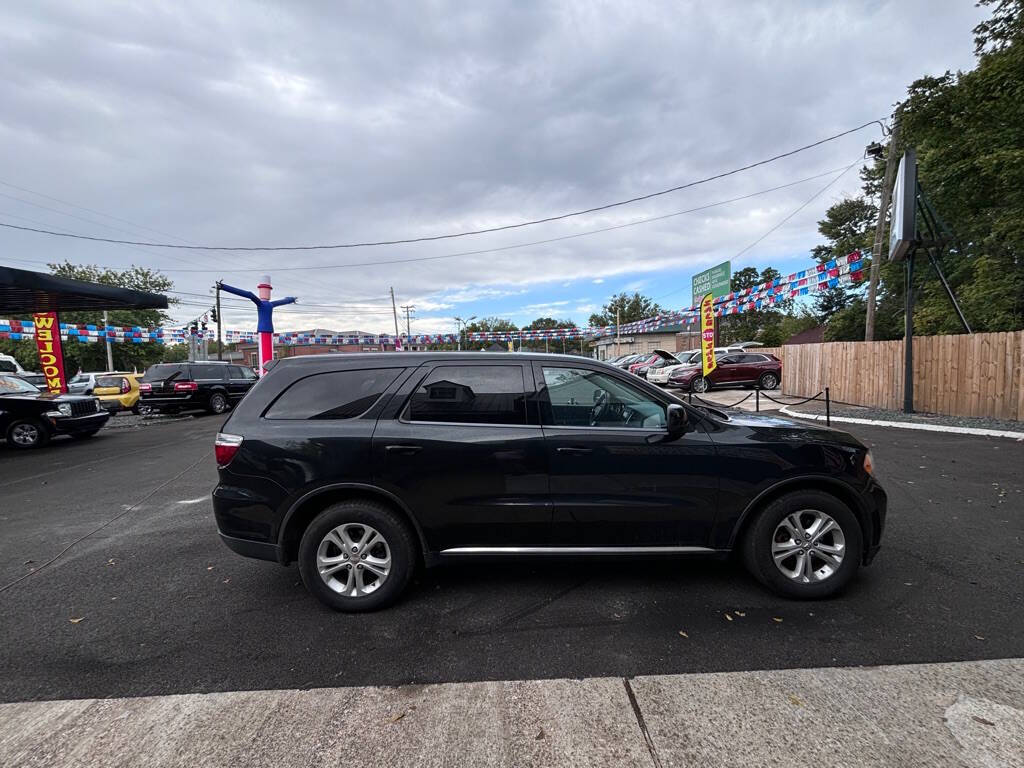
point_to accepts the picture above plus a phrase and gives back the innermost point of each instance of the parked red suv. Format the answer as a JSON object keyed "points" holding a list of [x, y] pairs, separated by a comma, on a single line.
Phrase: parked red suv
{"points": [[733, 369]]}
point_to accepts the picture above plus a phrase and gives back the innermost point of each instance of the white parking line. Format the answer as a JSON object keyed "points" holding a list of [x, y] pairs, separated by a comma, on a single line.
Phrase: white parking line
{"points": [[198, 500], [910, 425]]}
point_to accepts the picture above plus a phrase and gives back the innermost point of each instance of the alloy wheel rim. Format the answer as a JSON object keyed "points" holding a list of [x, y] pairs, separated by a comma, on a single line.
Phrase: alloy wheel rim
{"points": [[353, 559], [808, 546], [219, 403], [700, 385], [769, 382], [25, 434]]}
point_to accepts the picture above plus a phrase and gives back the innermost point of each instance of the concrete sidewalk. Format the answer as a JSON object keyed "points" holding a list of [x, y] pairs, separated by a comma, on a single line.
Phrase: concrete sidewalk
{"points": [[956, 714]]}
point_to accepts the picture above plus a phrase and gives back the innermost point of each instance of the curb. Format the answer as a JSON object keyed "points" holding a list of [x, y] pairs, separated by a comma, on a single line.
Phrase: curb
{"points": [[909, 425]]}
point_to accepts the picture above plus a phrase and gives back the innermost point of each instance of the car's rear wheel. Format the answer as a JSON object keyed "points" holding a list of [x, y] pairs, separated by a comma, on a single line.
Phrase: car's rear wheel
{"points": [[27, 433], [805, 545], [768, 381], [699, 385], [357, 556], [218, 403]]}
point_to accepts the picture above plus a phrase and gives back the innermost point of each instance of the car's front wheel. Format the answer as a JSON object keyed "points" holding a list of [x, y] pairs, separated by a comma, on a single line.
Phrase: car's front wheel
{"points": [[27, 433], [805, 545], [357, 556]]}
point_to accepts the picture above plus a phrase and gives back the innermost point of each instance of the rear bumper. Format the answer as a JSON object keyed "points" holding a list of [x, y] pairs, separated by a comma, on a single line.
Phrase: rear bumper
{"points": [[161, 402], [260, 550]]}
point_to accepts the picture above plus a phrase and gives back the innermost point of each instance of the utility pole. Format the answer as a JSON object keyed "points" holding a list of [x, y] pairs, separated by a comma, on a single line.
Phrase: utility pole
{"points": [[891, 162], [407, 308], [394, 311], [110, 352], [618, 335], [220, 324]]}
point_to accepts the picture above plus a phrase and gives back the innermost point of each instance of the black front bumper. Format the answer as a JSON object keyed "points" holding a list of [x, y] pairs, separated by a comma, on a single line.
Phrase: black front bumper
{"points": [[69, 425]]}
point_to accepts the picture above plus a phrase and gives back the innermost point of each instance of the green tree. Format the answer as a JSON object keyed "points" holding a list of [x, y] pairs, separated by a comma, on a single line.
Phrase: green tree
{"points": [[92, 357], [629, 309], [753, 325], [546, 324]]}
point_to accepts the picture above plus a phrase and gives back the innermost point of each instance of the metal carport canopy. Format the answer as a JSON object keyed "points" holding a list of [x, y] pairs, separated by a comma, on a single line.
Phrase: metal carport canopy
{"points": [[23, 291]]}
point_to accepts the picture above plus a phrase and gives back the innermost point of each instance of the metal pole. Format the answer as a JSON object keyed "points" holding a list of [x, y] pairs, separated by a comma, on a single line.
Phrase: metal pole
{"points": [[757, 398], [828, 408], [618, 335], [110, 352], [394, 311], [220, 324], [883, 208], [908, 337]]}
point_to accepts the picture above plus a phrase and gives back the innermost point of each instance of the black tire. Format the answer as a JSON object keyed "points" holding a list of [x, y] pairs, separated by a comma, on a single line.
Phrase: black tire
{"points": [[400, 540], [768, 381], [84, 435], [757, 544], [25, 434], [695, 386], [218, 403]]}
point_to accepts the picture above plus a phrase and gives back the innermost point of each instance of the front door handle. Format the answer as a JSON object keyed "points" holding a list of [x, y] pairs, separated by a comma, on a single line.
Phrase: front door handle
{"points": [[575, 451], [404, 450]]}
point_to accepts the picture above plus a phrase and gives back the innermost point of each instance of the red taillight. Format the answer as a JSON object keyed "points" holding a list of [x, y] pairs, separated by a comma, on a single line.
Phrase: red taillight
{"points": [[185, 386], [225, 447], [144, 387], [125, 387]]}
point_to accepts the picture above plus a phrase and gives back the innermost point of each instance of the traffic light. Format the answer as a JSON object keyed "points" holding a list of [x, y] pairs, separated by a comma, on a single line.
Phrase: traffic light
{"points": [[213, 314]]}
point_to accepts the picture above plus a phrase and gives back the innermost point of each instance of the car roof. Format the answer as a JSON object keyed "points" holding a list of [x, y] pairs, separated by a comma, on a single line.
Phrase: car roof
{"points": [[418, 358]]}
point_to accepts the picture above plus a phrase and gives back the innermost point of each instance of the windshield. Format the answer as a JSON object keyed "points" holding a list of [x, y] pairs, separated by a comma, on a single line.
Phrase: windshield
{"points": [[12, 385], [163, 371]]}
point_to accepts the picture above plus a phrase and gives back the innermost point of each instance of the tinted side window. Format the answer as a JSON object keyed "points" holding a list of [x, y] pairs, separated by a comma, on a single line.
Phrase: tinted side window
{"points": [[235, 372], [335, 395], [163, 371], [200, 371], [477, 394]]}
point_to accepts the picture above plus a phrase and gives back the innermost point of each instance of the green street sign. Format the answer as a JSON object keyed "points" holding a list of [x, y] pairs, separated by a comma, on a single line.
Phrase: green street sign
{"points": [[716, 281]]}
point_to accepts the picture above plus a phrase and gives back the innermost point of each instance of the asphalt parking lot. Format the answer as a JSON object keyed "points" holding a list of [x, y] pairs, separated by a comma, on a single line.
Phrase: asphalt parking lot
{"points": [[153, 603]]}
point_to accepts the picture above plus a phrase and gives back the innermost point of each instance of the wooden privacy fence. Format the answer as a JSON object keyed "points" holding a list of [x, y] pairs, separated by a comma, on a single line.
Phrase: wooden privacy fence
{"points": [[962, 375]]}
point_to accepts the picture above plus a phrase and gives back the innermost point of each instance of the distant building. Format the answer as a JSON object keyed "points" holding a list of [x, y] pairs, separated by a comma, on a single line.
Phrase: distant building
{"points": [[673, 338], [248, 350], [814, 335]]}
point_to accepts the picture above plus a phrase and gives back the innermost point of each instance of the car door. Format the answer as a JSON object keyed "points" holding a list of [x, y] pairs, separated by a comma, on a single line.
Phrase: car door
{"points": [[461, 453], [727, 370], [238, 382], [617, 479]]}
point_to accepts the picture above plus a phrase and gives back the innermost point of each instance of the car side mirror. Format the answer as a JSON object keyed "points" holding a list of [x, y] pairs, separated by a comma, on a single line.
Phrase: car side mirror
{"points": [[677, 420]]}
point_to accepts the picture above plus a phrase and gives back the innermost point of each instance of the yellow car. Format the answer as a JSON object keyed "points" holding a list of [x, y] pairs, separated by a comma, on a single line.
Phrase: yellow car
{"points": [[118, 391]]}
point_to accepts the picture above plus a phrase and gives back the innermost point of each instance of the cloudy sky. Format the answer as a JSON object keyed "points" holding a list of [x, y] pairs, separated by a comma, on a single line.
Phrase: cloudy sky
{"points": [[307, 123]]}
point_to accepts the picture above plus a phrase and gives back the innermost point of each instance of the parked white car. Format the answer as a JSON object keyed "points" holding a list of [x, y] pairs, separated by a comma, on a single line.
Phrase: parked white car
{"points": [[660, 376]]}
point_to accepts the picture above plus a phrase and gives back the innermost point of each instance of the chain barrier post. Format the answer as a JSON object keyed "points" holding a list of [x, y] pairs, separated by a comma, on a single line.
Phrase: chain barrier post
{"points": [[757, 399], [828, 409]]}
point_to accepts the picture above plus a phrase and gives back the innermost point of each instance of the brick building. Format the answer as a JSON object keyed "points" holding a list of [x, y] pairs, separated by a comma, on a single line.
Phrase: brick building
{"points": [[673, 338]]}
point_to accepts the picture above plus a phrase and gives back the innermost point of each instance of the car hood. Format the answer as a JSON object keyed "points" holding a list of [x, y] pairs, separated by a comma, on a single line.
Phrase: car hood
{"points": [[44, 397], [682, 367], [779, 428]]}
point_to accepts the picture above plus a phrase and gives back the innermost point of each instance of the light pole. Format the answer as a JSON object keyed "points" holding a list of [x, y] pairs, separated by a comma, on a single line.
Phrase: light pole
{"points": [[460, 325]]}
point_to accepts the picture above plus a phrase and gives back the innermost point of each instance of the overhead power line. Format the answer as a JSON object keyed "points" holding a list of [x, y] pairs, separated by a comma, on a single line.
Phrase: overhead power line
{"points": [[789, 216], [429, 238], [646, 220]]}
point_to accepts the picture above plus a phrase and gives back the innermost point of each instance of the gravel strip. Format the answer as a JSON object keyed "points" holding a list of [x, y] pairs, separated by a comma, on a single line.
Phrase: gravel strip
{"points": [[128, 420], [859, 412]]}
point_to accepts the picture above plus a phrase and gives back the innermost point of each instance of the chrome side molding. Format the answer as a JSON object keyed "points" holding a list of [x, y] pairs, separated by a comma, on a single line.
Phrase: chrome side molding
{"points": [[580, 551]]}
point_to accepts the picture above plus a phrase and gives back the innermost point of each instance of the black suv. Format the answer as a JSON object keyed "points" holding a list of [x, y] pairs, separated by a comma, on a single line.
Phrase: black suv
{"points": [[29, 418], [362, 466], [209, 385]]}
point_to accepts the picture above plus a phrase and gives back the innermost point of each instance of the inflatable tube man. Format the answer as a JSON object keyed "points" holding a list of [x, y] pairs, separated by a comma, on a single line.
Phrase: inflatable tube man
{"points": [[265, 316]]}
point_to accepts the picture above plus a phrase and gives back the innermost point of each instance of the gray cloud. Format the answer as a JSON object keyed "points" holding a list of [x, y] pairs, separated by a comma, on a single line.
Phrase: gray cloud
{"points": [[296, 123]]}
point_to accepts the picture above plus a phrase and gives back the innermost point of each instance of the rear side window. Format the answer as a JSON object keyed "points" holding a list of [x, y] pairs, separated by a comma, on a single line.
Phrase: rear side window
{"points": [[335, 395], [162, 371], [472, 394], [238, 372], [215, 372]]}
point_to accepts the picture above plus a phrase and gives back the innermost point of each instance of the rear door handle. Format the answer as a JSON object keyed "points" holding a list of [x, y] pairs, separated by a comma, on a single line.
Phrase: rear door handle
{"points": [[404, 450], [574, 451]]}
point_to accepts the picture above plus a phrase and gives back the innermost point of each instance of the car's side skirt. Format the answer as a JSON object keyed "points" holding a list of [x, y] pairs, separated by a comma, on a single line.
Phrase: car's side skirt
{"points": [[581, 551]]}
